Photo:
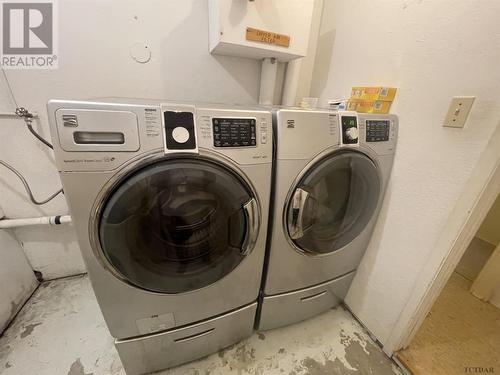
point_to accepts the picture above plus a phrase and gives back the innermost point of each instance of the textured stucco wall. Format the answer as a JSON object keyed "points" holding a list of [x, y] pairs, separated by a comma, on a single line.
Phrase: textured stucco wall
{"points": [[490, 228], [17, 280], [94, 61], [490, 232], [431, 51]]}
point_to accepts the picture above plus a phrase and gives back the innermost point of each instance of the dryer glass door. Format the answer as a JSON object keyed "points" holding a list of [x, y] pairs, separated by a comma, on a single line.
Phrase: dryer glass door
{"points": [[333, 202], [177, 225]]}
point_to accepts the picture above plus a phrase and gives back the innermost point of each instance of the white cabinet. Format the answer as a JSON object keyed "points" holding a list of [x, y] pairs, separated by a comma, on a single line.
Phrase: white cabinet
{"points": [[260, 28]]}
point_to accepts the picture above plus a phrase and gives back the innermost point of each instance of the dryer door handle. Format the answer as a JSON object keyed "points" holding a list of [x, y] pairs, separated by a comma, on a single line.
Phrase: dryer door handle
{"points": [[295, 220], [252, 216]]}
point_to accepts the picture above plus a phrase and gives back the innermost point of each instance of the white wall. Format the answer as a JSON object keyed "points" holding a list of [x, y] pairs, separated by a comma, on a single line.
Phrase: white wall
{"points": [[94, 61], [490, 232], [16, 278], [431, 51], [495, 298], [490, 228]]}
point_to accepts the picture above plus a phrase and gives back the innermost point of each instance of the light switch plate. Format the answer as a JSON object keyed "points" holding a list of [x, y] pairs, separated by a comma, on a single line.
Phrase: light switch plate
{"points": [[458, 112]]}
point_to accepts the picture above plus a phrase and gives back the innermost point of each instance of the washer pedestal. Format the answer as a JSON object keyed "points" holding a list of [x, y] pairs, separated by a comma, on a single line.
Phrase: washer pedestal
{"points": [[155, 352]]}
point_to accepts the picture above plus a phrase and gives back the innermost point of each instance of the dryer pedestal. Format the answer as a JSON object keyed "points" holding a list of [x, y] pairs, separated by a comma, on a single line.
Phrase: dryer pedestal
{"points": [[292, 307], [151, 353]]}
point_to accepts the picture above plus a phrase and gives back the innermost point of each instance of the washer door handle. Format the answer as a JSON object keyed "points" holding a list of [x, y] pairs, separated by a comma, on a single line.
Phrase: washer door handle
{"points": [[252, 216], [295, 221]]}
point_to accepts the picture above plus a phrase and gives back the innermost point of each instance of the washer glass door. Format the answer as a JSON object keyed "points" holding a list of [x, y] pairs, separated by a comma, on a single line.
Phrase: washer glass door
{"points": [[177, 225], [333, 202]]}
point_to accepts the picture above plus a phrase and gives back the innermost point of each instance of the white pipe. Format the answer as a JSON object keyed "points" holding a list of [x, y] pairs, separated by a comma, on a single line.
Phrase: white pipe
{"points": [[45, 220], [13, 114], [291, 84], [269, 70]]}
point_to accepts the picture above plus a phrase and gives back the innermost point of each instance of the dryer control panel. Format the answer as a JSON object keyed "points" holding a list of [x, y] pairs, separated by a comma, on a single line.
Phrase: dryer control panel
{"points": [[349, 128], [302, 134], [377, 130]]}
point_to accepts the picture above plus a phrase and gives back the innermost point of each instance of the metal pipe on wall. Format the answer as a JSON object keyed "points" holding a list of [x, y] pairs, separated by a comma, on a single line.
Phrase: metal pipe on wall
{"points": [[268, 73], [14, 115], [291, 83]]}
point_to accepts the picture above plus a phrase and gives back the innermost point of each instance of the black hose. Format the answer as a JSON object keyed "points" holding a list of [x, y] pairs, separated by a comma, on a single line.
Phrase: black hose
{"points": [[40, 138], [28, 118]]}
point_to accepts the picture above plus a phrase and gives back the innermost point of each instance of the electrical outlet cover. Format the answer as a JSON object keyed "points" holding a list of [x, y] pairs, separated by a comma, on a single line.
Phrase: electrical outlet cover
{"points": [[458, 112]]}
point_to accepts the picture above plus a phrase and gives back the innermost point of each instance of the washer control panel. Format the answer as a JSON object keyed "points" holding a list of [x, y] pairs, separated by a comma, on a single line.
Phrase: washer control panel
{"points": [[349, 128], [377, 130], [234, 132]]}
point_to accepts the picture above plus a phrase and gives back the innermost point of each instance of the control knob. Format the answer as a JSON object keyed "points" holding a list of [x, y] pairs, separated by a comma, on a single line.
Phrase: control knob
{"points": [[180, 134], [352, 133]]}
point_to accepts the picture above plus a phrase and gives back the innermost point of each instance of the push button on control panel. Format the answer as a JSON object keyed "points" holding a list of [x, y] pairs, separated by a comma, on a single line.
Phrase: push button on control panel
{"points": [[263, 138], [263, 132]]}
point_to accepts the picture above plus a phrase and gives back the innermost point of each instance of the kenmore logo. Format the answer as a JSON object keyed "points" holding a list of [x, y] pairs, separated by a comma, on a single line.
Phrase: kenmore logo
{"points": [[70, 120]]}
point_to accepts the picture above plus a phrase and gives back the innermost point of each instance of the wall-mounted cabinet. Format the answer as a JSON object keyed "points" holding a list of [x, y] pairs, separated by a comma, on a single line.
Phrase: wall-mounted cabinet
{"points": [[260, 28]]}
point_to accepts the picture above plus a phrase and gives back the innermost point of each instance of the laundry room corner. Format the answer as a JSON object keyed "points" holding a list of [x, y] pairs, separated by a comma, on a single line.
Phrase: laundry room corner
{"points": [[428, 50], [83, 64], [244, 186], [16, 277]]}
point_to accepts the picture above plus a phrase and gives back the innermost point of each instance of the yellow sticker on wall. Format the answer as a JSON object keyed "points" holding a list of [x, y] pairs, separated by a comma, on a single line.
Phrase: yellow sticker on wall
{"points": [[268, 37]]}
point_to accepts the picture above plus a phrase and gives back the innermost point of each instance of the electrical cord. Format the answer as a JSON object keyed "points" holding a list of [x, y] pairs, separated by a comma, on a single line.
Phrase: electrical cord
{"points": [[27, 187]]}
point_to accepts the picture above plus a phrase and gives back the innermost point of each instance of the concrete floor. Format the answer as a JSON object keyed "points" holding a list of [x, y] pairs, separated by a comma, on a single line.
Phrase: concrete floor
{"points": [[61, 331]]}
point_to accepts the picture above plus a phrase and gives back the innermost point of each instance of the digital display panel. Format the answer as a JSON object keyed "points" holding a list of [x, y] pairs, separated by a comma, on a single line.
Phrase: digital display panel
{"points": [[234, 132], [377, 130]]}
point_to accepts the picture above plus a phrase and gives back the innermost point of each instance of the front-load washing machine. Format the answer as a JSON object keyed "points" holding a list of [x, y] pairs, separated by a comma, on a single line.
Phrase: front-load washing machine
{"points": [[331, 171], [170, 206]]}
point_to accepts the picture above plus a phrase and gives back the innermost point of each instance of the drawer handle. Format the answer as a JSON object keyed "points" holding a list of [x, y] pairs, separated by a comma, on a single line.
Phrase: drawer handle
{"points": [[314, 296], [99, 138], [195, 336]]}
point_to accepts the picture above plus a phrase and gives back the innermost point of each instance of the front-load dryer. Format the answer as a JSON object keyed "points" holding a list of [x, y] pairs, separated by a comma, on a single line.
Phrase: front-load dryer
{"points": [[331, 171], [170, 206]]}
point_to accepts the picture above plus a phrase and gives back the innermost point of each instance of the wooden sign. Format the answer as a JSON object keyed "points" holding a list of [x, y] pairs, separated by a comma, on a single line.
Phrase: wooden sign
{"points": [[268, 37]]}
